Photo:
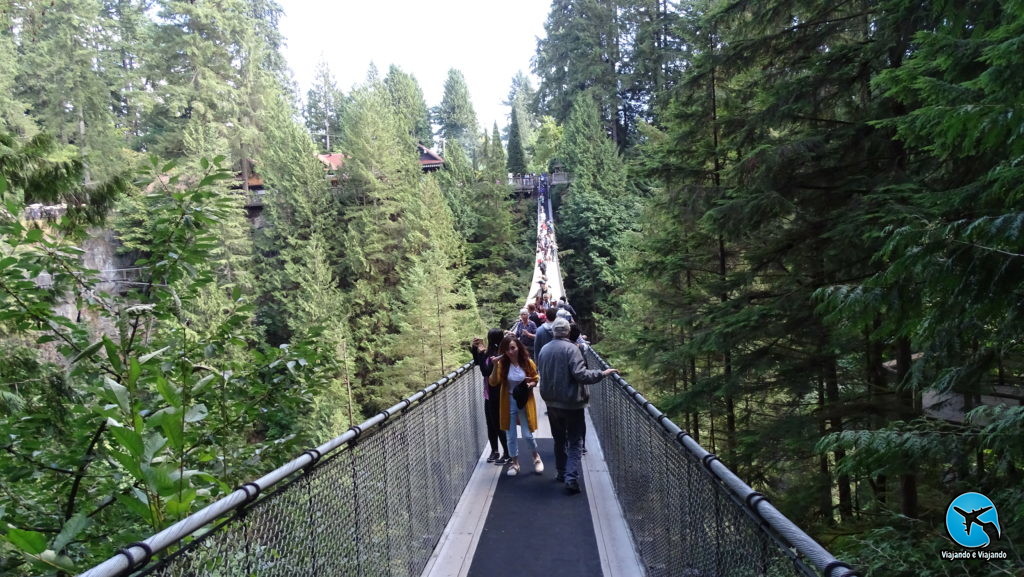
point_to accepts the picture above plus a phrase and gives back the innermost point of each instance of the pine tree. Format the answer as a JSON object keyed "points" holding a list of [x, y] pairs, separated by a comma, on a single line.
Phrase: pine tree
{"points": [[198, 49], [516, 155], [12, 108], [299, 209], [128, 47], [579, 54], [496, 159], [65, 80], [323, 109], [598, 207], [407, 98], [455, 115], [522, 97], [545, 148], [381, 235]]}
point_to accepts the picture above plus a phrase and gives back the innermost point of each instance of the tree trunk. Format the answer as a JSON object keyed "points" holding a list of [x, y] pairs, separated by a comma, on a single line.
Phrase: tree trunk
{"points": [[825, 481], [908, 480], [878, 397], [836, 426]]}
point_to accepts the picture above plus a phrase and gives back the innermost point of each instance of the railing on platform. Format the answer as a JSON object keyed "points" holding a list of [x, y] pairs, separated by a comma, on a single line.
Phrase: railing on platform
{"points": [[689, 514], [530, 182], [373, 501]]}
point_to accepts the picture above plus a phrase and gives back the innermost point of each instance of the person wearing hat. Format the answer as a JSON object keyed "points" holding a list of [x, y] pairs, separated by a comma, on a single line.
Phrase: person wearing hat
{"points": [[563, 379]]}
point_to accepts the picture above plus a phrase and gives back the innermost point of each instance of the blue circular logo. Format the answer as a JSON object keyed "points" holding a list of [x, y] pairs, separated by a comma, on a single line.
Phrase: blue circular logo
{"points": [[972, 521]]}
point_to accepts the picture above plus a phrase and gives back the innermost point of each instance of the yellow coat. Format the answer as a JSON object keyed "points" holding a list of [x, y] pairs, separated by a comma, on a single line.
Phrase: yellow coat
{"points": [[496, 380]]}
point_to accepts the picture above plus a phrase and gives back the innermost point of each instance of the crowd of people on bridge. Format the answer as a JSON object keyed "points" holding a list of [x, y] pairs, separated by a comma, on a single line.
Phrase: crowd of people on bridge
{"points": [[542, 350]]}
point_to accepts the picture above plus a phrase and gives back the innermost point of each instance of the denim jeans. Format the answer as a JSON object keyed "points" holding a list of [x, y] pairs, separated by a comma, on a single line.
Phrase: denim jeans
{"points": [[567, 428], [513, 440]]}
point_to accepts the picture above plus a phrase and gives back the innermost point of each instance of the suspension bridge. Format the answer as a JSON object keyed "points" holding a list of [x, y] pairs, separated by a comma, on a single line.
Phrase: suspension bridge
{"points": [[409, 493]]}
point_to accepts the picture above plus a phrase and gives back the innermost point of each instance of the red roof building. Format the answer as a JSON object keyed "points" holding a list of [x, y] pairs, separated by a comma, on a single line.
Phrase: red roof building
{"points": [[429, 160]]}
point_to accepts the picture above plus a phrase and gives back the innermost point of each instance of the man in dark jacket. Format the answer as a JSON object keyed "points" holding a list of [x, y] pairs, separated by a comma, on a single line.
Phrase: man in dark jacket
{"points": [[563, 376], [543, 335]]}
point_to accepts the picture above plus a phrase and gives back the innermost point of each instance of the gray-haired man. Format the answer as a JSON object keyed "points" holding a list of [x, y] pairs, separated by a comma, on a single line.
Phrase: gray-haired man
{"points": [[563, 376]]}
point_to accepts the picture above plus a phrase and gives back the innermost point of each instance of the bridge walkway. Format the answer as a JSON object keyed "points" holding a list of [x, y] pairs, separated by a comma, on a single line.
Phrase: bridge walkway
{"points": [[529, 525]]}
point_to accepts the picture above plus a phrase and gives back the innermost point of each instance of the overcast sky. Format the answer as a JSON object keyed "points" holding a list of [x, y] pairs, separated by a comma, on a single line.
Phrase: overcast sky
{"points": [[488, 40]]}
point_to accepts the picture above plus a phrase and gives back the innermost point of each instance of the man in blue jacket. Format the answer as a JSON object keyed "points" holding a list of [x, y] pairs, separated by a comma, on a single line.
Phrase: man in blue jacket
{"points": [[563, 376]]}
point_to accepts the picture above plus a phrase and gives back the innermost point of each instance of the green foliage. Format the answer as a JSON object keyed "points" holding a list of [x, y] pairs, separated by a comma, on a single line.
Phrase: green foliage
{"points": [[324, 108], [545, 148], [597, 209], [129, 422], [516, 155], [830, 241], [456, 116], [407, 99]]}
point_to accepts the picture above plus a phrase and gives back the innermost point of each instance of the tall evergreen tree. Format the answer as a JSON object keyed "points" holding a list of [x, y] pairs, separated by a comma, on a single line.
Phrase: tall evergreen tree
{"points": [[597, 209], [129, 56], [12, 108], [516, 155], [383, 235], [455, 115], [496, 159], [323, 111], [545, 148], [407, 98], [65, 77], [579, 54], [522, 97]]}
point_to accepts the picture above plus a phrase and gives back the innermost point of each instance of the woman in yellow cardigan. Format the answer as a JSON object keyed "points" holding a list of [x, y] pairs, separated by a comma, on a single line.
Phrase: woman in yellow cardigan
{"points": [[513, 367]]}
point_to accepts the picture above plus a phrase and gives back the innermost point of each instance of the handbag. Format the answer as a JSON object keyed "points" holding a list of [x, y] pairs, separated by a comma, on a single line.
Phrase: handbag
{"points": [[521, 394]]}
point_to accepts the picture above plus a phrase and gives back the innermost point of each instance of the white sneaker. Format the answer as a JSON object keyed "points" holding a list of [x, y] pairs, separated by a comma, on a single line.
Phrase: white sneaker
{"points": [[513, 467], [538, 465]]}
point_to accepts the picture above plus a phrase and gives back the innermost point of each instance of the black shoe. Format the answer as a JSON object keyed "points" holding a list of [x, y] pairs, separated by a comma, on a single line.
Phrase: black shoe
{"points": [[572, 487], [501, 460], [493, 457], [560, 477]]}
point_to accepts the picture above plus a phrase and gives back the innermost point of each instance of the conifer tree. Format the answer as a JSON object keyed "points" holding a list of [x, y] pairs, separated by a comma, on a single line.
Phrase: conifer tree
{"points": [[496, 158], [523, 98], [407, 98], [598, 207], [457, 182], [12, 108], [455, 115], [545, 148], [298, 210], [323, 111], [439, 307], [129, 66], [516, 155], [579, 54], [69, 95], [381, 236]]}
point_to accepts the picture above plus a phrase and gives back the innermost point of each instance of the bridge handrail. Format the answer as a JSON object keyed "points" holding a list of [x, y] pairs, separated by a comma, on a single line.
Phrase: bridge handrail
{"points": [[135, 556], [793, 541]]}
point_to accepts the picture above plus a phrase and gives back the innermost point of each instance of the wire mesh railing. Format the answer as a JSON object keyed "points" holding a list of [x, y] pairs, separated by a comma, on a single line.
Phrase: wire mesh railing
{"points": [[691, 516], [372, 502]]}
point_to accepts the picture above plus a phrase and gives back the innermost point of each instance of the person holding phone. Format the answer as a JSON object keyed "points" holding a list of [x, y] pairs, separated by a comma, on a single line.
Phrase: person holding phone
{"points": [[484, 358], [516, 375]]}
